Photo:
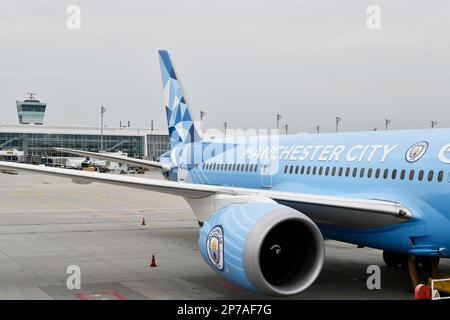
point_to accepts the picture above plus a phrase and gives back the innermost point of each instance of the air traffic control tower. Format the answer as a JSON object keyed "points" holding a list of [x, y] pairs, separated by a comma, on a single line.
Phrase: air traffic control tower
{"points": [[31, 111]]}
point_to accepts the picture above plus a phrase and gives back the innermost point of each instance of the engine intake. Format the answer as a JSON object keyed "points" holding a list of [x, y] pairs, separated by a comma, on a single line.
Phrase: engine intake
{"points": [[263, 247]]}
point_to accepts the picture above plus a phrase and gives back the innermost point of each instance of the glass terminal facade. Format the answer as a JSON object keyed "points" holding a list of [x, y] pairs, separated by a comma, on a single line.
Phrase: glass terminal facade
{"points": [[41, 141]]}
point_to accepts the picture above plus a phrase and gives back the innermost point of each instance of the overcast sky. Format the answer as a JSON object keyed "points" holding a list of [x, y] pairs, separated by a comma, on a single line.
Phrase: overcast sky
{"points": [[239, 61]]}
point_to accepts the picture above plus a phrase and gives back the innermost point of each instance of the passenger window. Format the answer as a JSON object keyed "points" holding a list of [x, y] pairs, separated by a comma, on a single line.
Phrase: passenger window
{"points": [[347, 172], [242, 167], [411, 175], [214, 166], [303, 170], [333, 171], [369, 173], [430, 175], [394, 174], [246, 167], [386, 173], [361, 174], [320, 171], [296, 169], [285, 169], [440, 176], [291, 169], [420, 176], [402, 174], [327, 171], [377, 173], [355, 171], [340, 171], [308, 170], [256, 168], [314, 170]]}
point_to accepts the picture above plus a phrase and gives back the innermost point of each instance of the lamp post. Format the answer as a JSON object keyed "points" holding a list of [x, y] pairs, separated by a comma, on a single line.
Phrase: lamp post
{"points": [[278, 120], [102, 113], [387, 122], [338, 119]]}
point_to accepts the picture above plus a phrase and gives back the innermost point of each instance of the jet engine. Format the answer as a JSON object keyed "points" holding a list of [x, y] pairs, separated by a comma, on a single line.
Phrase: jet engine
{"points": [[263, 247]]}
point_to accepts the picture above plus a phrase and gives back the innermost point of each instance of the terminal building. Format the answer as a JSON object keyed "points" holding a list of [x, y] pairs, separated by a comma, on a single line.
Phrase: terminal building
{"points": [[34, 138], [40, 140]]}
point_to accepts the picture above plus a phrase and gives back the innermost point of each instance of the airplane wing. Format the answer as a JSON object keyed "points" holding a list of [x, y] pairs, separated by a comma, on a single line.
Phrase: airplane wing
{"points": [[125, 160], [338, 211]]}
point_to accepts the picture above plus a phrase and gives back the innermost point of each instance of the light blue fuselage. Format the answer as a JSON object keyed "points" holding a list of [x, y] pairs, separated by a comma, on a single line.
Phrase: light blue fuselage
{"points": [[426, 194]]}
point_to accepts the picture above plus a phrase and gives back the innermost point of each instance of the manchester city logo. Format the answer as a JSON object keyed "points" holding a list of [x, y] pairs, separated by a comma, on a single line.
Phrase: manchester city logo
{"points": [[416, 151], [214, 246]]}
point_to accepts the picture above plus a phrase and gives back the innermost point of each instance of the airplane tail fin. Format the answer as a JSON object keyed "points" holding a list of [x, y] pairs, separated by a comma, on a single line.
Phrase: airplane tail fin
{"points": [[179, 118]]}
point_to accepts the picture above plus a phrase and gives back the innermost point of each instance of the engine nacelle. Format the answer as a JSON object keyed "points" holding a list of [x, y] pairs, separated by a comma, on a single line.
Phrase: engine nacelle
{"points": [[263, 247]]}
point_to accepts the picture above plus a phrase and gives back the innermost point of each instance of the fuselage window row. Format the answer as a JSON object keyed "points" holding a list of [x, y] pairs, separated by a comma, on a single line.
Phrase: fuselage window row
{"points": [[353, 172], [332, 171], [230, 167]]}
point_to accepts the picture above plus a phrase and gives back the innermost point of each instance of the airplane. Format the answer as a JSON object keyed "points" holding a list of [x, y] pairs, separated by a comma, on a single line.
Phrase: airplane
{"points": [[265, 205]]}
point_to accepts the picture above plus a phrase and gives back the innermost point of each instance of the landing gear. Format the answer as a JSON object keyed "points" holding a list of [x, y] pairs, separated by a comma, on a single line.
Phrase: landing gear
{"points": [[429, 265], [426, 263], [417, 265], [395, 260]]}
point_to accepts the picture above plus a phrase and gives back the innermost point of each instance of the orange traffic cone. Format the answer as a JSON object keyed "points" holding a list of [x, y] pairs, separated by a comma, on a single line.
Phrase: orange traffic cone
{"points": [[153, 263], [143, 221]]}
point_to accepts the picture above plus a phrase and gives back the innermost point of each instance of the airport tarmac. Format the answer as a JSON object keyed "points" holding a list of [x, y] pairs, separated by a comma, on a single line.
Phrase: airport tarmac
{"points": [[48, 223]]}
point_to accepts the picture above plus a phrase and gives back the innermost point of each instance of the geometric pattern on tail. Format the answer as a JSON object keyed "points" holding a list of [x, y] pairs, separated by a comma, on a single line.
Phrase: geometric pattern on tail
{"points": [[179, 120]]}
